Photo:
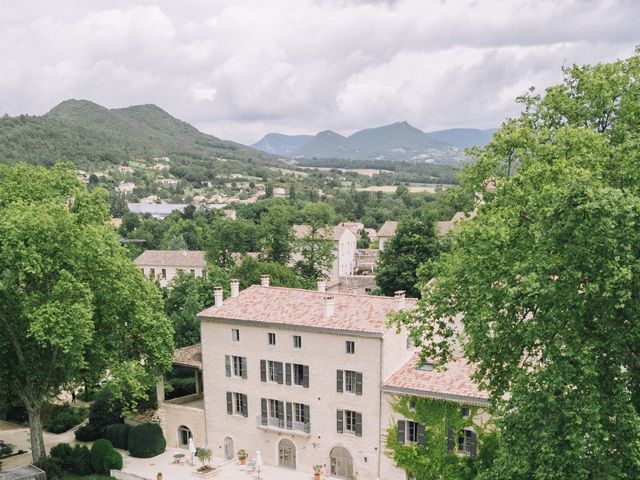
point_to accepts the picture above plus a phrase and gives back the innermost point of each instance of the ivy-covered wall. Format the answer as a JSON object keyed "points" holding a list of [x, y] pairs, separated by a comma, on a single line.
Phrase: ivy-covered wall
{"points": [[434, 461]]}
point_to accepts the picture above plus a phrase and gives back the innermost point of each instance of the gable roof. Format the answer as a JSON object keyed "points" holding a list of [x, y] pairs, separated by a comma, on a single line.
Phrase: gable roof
{"points": [[172, 258], [443, 228], [333, 233], [190, 356], [292, 307], [388, 229], [454, 383]]}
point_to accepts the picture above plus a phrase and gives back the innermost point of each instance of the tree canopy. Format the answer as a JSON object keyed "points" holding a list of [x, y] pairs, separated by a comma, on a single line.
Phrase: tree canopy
{"points": [[72, 306], [547, 280]]}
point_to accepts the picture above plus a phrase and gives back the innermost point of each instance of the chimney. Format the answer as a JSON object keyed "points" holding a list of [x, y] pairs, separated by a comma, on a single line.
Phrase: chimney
{"points": [[399, 298], [217, 296], [235, 288], [264, 279], [322, 285], [329, 307]]}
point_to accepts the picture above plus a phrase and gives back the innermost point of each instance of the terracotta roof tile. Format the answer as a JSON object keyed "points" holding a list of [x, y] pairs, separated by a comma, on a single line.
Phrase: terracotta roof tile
{"points": [[190, 356], [388, 229], [172, 258], [454, 383], [305, 308]]}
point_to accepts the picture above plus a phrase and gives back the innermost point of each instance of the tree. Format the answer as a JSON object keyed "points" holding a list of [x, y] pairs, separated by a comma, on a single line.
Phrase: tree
{"points": [[71, 304], [227, 237], [413, 245], [316, 247], [250, 271], [364, 241], [547, 278], [277, 234]]}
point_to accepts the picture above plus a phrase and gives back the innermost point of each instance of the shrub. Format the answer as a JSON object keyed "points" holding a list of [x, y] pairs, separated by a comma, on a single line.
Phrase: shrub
{"points": [[62, 455], [146, 440], [105, 409], [6, 448], [63, 418], [81, 460], [104, 457], [88, 433], [118, 435], [49, 466]]}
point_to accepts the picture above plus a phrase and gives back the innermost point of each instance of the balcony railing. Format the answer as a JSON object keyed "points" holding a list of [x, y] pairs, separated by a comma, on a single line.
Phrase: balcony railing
{"points": [[272, 423]]}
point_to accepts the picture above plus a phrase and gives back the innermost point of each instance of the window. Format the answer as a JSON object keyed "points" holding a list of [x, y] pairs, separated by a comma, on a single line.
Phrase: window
{"points": [[235, 335], [142, 271], [297, 341], [272, 338], [276, 409], [192, 271], [241, 403], [409, 342], [350, 422], [465, 412], [239, 366], [299, 412], [164, 273], [465, 442], [298, 374], [237, 404], [152, 272], [412, 405], [349, 381], [411, 432], [351, 346], [271, 371], [427, 367]]}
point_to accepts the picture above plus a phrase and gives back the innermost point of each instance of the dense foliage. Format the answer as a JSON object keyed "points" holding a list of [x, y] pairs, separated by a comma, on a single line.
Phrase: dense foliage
{"points": [[73, 304], [547, 279], [64, 417], [104, 457], [118, 435]]}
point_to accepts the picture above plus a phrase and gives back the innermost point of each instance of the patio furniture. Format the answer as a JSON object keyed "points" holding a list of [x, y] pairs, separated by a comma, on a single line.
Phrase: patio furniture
{"points": [[251, 465], [178, 458]]}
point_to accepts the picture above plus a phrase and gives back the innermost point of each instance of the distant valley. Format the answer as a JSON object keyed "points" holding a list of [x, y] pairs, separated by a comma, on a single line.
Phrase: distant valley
{"points": [[398, 141]]}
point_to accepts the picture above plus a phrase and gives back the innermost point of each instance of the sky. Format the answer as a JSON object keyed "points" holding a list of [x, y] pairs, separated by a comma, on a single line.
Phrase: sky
{"points": [[240, 69]]}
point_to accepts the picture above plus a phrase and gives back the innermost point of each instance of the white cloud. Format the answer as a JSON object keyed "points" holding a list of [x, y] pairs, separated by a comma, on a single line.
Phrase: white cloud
{"points": [[241, 69]]}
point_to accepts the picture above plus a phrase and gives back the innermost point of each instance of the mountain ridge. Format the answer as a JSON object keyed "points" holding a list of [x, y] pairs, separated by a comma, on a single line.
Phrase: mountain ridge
{"points": [[396, 141]]}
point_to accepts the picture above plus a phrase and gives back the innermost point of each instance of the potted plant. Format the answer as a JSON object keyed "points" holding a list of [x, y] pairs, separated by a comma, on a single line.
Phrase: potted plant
{"points": [[204, 455], [242, 456], [317, 470], [159, 476]]}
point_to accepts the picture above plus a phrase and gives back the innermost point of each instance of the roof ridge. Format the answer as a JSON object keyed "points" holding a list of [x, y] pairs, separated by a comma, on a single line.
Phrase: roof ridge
{"points": [[343, 294]]}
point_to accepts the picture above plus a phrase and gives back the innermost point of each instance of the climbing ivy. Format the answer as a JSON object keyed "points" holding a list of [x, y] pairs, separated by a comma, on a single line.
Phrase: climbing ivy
{"points": [[434, 461]]}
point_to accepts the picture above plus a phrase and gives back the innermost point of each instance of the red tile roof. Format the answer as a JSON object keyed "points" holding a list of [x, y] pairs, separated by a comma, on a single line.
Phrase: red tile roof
{"points": [[388, 229], [365, 314], [190, 356], [454, 383], [172, 258]]}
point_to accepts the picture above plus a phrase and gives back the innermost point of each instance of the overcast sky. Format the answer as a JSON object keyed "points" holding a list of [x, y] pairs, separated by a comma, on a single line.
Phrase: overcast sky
{"points": [[239, 69]]}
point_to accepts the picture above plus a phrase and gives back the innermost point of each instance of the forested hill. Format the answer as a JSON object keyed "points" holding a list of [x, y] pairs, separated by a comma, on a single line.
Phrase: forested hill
{"points": [[91, 135]]}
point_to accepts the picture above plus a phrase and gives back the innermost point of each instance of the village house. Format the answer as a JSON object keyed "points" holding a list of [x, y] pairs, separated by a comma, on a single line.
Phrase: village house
{"points": [[387, 231], [344, 248], [279, 192], [445, 227], [126, 187], [163, 210], [164, 265], [167, 181], [125, 169], [308, 378]]}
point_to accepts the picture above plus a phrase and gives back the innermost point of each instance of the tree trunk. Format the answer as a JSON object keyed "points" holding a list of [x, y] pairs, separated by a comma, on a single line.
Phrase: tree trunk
{"points": [[35, 432]]}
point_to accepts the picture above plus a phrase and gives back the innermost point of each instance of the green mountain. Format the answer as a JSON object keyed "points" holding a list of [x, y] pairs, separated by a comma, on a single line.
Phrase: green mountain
{"points": [[93, 136], [398, 141]]}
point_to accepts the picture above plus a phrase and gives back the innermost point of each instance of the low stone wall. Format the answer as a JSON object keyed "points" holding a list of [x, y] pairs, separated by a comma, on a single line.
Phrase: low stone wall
{"points": [[174, 415]]}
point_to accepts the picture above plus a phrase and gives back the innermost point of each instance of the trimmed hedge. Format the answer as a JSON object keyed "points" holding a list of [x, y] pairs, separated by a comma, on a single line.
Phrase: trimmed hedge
{"points": [[62, 454], [104, 457], [81, 460], [118, 435], [146, 440], [64, 417], [88, 433]]}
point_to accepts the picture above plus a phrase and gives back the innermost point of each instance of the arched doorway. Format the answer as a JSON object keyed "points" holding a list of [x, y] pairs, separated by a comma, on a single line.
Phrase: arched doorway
{"points": [[184, 434], [286, 453], [341, 463], [229, 451]]}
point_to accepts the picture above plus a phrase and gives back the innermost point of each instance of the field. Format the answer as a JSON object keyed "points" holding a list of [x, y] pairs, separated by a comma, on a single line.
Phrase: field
{"points": [[412, 188]]}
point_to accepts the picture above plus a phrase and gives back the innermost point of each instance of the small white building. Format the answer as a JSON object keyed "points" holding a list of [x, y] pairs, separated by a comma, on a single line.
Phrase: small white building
{"points": [[344, 248], [125, 169], [165, 264], [167, 181], [387, 231], [126, 187], [279, 192]]}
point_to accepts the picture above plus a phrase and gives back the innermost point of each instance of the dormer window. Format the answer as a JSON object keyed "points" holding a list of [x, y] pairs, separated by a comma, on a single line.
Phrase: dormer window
{"points": [[426, 367]]}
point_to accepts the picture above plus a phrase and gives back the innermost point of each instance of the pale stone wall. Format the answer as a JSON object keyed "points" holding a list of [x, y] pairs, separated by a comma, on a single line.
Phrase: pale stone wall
{"points": [[346, 255], [395, 353], [171, 272], [174, 415], [324, 353]]}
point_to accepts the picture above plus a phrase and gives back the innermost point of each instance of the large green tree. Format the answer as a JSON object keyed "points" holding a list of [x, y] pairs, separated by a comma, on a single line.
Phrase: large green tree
{"points": [[413, 245], [547, 280], [316, 247], [72, 306], [277, 234]]}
